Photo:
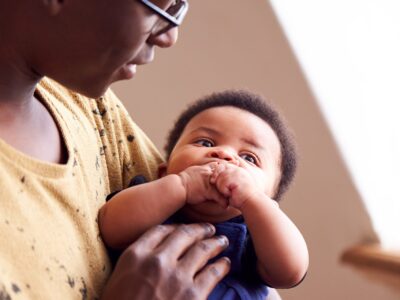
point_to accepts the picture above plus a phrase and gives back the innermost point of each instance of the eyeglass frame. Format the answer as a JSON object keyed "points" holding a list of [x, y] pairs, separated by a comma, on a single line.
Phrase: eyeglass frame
{"points": [[174, 22]]}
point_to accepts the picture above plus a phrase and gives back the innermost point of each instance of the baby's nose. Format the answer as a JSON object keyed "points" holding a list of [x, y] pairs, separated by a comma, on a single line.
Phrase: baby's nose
{"points": [[225, 155]]}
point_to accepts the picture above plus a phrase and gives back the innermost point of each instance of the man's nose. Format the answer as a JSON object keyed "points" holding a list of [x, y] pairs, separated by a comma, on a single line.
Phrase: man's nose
{"points": [[165, 39]]}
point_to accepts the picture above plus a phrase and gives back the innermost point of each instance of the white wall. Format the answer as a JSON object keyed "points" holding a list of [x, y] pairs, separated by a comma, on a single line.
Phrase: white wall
{"points": [[351, 60], [232, 43]]}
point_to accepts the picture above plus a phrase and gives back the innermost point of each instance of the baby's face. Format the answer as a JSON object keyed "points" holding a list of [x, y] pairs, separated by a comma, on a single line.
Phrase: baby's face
{"points": [[236, 136]]}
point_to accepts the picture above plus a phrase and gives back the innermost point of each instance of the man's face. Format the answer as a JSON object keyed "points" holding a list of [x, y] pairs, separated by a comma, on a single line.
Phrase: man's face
{"points": [[234, 135], [102, 41]]}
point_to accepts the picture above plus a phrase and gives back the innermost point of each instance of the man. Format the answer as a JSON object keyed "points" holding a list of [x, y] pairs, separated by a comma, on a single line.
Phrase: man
{"points": [[48, 188]]}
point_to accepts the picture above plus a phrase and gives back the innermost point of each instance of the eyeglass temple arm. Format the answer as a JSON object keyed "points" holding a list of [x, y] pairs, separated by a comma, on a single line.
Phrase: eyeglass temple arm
{"points": [[164, 14]]}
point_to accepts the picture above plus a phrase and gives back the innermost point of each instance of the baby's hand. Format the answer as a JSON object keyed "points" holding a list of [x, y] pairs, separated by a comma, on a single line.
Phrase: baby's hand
{"points": [[234, 182], [196, 180]]}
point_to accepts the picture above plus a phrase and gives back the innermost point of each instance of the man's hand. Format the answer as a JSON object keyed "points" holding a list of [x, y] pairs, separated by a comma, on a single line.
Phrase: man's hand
{"points": [[169, 262]]}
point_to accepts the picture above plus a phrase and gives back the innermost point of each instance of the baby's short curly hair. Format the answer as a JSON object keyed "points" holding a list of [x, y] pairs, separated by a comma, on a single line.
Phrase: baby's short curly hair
{"points": [[256, 105]]}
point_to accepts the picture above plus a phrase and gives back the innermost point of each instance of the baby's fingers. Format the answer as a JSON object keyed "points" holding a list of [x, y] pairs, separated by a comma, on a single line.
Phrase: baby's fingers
{"points": [[217, 169], [225, 185]]}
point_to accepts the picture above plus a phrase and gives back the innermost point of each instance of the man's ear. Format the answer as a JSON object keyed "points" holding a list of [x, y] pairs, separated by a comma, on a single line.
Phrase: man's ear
{"points": [[162, 170], [54, 6]]}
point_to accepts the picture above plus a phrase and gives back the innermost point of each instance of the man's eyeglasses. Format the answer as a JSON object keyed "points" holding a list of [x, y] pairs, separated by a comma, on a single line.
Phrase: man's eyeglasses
{"points": [[169, 18]]}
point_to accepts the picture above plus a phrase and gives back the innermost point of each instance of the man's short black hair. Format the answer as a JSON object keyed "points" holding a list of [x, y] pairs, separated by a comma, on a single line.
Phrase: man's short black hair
{"points": [[256, 105]]}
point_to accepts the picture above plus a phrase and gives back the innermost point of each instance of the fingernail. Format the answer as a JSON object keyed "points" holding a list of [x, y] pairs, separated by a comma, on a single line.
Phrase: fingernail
{"points": [[227, 260], [223, 240], [209, 228]]}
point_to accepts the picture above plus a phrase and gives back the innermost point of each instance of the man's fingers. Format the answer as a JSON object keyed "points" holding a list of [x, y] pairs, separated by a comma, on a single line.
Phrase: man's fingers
{"points": [[201, 252], [208, 278], [153, 237], [171, 260], [184, 236]]}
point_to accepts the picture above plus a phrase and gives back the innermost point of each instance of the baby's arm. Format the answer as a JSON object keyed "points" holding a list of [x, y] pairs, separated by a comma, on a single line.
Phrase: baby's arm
{"points": [[282, 255], [132, 211]]}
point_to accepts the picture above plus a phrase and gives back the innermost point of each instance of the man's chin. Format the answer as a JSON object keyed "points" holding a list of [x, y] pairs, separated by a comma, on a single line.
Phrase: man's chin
{"points": [[91, 91]]}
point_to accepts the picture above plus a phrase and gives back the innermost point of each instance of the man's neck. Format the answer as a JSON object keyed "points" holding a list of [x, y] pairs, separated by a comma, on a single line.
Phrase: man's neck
{"points": [[29, 127], [25, 123], [17, 80]]}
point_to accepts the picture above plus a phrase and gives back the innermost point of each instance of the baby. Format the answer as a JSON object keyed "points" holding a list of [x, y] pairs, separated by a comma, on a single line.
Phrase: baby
{"points": [[229, 159]]}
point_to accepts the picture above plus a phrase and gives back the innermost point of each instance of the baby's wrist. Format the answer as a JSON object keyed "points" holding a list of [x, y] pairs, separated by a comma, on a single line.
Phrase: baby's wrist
{"points": [[254, 201], [242, 205], [184, 179], [174, 188]]}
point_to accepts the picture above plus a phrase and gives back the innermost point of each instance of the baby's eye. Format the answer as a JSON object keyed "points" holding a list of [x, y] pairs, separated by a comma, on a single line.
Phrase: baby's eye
{"points": [[204, 143], [250, 158]]}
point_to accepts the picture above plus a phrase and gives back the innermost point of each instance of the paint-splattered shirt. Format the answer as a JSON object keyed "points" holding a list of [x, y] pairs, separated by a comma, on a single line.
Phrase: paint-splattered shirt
{"points": [[50, 246]]}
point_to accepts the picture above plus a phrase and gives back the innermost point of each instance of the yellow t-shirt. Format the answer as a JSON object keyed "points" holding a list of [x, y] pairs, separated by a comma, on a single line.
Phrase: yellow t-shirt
{"points": [[50, 246]]}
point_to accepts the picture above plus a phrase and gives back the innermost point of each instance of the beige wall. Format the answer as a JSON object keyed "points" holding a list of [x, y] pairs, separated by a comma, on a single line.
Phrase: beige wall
{"points": [[232, 43]]}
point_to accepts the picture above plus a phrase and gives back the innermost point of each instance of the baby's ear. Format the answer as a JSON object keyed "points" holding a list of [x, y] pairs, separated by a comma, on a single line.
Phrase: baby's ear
{"points": [[162, 170]]}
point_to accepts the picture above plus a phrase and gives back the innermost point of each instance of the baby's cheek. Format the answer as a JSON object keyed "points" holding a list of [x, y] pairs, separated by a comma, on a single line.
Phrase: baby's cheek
{"points": [[262, 182]]}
